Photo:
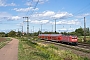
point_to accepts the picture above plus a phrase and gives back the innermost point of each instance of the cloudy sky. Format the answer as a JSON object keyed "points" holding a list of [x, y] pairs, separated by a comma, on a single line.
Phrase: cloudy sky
{"points": [[69, 14]]}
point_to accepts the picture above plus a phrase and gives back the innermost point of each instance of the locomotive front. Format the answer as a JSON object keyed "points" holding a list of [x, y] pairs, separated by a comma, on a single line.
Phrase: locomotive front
{"points": [[74, 40]]}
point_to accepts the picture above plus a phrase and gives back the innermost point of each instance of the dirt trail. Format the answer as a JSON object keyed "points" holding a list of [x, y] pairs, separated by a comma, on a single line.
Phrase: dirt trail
{"points": [[10, 51]]}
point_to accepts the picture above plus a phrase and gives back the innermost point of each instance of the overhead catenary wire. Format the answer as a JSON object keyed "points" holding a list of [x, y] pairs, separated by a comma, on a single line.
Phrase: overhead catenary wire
{"points": [[34, 7], [82, 9], [29, 6], [30, 14]]}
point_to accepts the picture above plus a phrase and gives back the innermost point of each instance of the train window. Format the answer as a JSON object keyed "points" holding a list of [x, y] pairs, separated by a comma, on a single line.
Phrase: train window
{"points": [[74, 38]]}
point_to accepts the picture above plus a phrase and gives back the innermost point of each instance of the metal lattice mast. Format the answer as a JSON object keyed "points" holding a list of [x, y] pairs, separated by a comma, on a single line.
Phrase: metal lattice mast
{"points": [[55, 25], [27, 25], [84, 30]]}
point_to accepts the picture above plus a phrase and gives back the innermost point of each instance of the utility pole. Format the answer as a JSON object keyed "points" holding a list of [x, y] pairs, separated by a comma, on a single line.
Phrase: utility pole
{"points": [[33, 29], [52, 28], [84, 30], [41, 28], [27, 25], [22, 29], [18, 29], [39, 31], [55, 25]]}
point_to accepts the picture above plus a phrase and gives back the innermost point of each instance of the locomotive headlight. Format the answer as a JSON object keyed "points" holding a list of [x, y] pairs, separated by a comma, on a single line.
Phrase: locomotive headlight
{"points": [[74, 39]]}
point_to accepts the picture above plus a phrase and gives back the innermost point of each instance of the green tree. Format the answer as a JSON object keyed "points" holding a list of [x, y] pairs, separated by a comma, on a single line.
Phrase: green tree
{"points": [[2, 34], [19, 33], [12, 34], [46, 32], [64, 33], [79, 32], [87, 31], [72, 33]]}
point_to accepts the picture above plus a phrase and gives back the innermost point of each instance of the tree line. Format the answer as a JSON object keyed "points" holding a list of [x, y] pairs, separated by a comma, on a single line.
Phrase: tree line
{"points": [[77, 32]]}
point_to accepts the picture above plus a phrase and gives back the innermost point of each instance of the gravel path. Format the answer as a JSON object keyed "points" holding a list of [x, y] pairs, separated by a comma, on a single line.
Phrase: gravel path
{"points": [[10, 51]]}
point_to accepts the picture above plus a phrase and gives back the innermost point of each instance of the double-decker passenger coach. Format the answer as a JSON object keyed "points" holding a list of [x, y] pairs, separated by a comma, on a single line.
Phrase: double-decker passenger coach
{"points": [[60, 38]]}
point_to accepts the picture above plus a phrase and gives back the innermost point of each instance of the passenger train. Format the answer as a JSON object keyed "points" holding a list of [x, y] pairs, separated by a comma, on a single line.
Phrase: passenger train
{"points": [[60, 38]]}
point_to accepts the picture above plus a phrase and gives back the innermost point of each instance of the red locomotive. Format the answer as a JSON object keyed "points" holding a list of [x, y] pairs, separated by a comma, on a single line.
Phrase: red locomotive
{"points": [[60, 38]]}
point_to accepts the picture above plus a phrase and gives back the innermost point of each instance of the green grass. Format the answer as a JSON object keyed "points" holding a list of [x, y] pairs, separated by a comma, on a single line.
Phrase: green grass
{"points": [[3, 43], [80, 39], [29, 50]]}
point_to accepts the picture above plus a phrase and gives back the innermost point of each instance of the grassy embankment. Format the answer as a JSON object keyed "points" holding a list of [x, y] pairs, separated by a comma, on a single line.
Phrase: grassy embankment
{"points": [[29, 50], [80, 39], [4, 41]]}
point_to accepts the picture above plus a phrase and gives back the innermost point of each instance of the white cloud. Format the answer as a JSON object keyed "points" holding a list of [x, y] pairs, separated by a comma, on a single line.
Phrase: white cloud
{"points": [[62, 15], [71, 29], [40, 22], [44, 14], [65, 29], [52, 15], [74, 22], [13, 18], [11, 4], [7, 16], [20, 24], [67, 22], [48, 13], [3, 3], [34, 2], [40, 1], [44, 21], [26, 20], [28, 4], [83, 15], [35, 21], [62, 29], [4, 14], [25, 9]]}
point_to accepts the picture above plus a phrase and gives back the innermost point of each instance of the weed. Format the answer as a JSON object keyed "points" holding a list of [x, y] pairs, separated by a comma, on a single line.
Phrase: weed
{"points": [[52, 46], [29, 50], [88, 41], [86, 58], [42, 54], [30, 43]]}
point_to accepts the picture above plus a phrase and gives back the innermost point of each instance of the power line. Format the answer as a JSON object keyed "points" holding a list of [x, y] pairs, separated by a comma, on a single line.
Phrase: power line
{"points": [[30, 6], [28, 17], [82, 9], [34, 7]]}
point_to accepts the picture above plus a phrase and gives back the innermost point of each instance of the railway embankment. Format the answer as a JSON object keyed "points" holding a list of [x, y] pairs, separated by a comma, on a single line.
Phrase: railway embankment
{"points": [[39, 49]]}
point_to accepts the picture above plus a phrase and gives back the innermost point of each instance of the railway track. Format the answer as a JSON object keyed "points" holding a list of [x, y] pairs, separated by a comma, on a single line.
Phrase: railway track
{"points": [[81, 46], [84, 45], [79, 50]]}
